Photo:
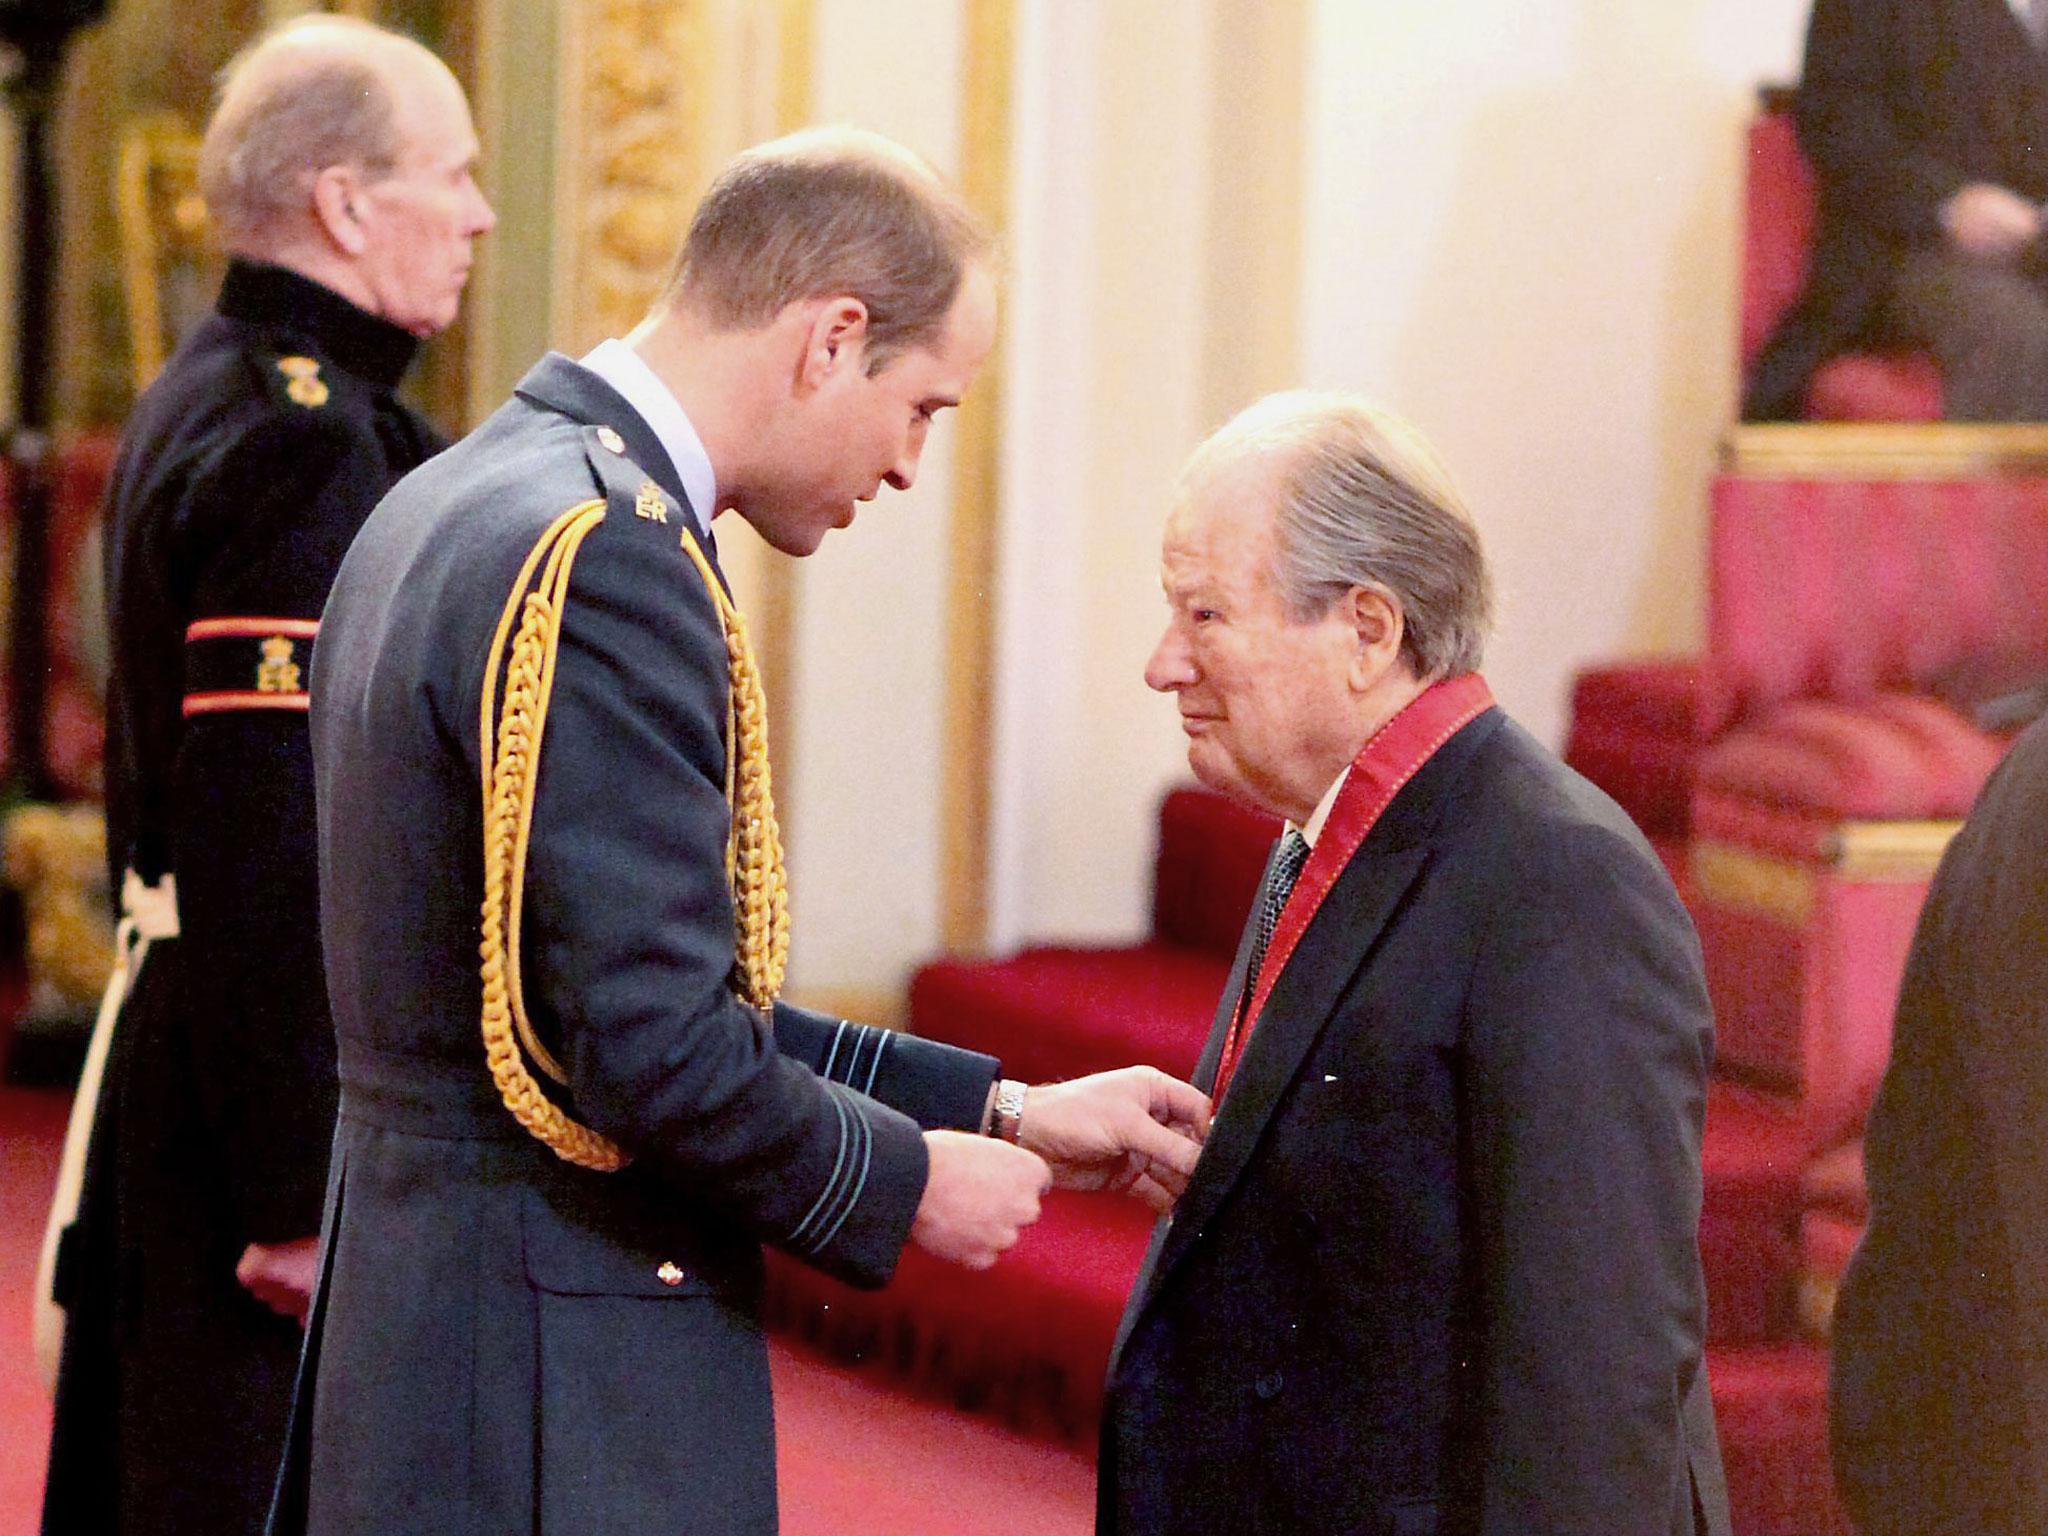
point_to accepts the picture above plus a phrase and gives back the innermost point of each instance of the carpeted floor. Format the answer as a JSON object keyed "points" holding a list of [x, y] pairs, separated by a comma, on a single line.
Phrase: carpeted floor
{"points": [[857, 1458]]}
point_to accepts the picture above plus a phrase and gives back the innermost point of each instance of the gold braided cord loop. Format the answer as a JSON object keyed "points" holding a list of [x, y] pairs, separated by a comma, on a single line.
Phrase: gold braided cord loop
{"points": [[510, 751], [511, 779], [753, 849]]}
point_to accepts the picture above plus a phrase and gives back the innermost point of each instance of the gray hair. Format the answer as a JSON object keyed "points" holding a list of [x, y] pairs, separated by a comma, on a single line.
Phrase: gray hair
{"points": [[279, 121], [825, 212], [1365, 502]]}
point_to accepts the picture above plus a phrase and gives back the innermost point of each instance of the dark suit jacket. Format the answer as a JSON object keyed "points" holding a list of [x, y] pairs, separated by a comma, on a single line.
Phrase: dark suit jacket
{"points": [[1900, 103], [503, 1342], [1940, 1412], [1437, 1272]]}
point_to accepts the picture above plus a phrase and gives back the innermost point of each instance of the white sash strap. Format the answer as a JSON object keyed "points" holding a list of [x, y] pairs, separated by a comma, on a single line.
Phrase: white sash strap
{"points": [[148, 912]]}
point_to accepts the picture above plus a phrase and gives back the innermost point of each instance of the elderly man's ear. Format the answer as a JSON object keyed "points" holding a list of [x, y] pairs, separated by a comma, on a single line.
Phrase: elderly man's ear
{"points": [[1374, 618], [335, 193]]}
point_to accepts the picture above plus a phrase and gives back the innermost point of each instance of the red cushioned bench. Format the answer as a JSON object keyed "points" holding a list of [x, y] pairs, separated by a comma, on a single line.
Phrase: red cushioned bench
{"points": [[1841, 611]]}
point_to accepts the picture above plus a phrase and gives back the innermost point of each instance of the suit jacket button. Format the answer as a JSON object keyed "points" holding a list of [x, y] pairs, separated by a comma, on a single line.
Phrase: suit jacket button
{"points": [[668, 1274], [1268, 1386]]}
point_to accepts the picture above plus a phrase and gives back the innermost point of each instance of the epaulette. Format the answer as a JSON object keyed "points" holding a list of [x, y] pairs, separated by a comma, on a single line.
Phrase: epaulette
{"points": [[629, 491]]}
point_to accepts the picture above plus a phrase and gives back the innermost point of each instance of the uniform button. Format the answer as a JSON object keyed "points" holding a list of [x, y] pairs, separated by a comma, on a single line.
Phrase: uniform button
{"points": [[668, 1274], [611, 439], [1268, 1386]]}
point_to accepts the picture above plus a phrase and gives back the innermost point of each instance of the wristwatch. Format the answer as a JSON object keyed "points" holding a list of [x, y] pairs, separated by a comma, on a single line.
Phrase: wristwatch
{"points": [[1008, 1122]]}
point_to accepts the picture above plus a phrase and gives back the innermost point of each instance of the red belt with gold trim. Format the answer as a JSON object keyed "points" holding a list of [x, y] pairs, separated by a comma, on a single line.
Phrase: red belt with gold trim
{"points": [[247, 663]]}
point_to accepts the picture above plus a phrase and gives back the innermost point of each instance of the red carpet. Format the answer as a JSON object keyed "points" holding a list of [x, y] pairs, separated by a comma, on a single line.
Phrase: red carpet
{"points": [[31, 1132], [857, 1457]]}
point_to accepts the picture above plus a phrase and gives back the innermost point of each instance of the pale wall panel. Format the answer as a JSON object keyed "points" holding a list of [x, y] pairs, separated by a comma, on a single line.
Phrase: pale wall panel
{"points": [[863, 767], [1522, 231]]}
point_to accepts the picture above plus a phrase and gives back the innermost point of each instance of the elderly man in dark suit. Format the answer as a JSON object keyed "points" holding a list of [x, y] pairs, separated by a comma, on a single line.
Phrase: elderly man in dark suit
{"points": [[1924, 121], [1940, 1381], [537, 723], [1436, 1273]]}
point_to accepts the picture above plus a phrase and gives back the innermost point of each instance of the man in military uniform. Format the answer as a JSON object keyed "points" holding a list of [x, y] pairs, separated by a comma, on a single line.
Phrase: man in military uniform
{"points": [[535, 702], [338, 169]]}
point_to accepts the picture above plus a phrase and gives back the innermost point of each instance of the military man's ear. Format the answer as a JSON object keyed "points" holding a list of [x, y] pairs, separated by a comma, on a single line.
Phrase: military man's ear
{"points": [[1375, 619], [336, 197], [833, 339]]}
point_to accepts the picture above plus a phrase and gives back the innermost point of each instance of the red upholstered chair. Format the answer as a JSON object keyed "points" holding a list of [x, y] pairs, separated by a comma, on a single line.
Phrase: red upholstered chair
{"points": [[1635, 731], [1777, 243], [1841, 613]]}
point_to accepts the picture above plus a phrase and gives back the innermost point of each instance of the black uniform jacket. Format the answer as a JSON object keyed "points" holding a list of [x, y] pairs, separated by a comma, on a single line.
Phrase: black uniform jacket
{"points": [[1437, 1271], [242, 475], [1940, 1362], [504, 1342], [1901, 102]]}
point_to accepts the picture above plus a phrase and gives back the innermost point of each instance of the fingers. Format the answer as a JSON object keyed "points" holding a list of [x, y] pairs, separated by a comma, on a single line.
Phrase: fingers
{"points": [[1179, 1104], [979, 1195], [1153, 1193], [1163, 1148]]}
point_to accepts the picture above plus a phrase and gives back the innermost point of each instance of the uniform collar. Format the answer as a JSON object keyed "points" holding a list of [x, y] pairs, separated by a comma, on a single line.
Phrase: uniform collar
{"points": [[314, 315], [627, 372], [562, 384]]}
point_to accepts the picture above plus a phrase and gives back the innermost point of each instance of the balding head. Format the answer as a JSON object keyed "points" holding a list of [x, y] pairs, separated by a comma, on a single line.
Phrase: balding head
{"points": [[313, 93], [822, 213], [344, 152]]}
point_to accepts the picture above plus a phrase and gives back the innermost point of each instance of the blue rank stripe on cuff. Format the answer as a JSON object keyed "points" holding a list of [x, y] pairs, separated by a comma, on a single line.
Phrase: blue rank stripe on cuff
{"points": [[843, 1189], [865, 1038]]}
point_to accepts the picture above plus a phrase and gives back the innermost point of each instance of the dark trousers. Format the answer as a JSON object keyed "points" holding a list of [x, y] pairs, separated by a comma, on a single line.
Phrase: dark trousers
{"points": [[1985, 322]]}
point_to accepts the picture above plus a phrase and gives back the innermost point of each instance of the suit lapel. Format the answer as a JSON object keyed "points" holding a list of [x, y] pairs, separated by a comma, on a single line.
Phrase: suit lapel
{"points": [[1336, 945], [1204, 1078], [1332, 950]]}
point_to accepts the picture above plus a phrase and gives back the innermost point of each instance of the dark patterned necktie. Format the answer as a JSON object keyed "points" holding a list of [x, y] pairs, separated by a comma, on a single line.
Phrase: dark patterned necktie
{"points": [[1272, 902], [2033, 16]]}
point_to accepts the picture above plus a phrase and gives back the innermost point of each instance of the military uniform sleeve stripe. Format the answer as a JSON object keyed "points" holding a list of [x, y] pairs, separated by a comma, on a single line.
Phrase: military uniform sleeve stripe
{"points": [[843, 1190], [859, 1184], [818, 1206], [860, 1041], [221, 703], [883, 1038], [832, 1055], [251, 629]]}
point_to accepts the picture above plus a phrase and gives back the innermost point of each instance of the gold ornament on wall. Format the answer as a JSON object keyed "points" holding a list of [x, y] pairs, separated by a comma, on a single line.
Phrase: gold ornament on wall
{"points": [[639, 120]]}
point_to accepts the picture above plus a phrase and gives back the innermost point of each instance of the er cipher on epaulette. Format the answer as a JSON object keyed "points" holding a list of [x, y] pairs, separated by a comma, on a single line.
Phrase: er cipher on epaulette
{"points": [[511, 735]]}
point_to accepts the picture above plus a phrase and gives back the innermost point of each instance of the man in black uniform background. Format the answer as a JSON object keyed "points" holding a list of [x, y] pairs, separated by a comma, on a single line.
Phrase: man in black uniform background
{"points": [[534, 702], [337, 167]]}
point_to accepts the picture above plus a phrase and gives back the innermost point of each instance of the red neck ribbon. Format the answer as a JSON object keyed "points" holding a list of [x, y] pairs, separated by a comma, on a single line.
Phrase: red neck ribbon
{"points": [[1396, 752]]}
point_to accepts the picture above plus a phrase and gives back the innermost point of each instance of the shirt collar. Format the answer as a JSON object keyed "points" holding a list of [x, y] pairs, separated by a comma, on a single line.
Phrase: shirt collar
{"points": [[1321, 814], [627, 372]]}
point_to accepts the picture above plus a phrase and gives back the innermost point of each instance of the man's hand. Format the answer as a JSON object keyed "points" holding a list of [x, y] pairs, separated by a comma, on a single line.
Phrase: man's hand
{"points": [[281, 1275], [979, 1195], [1135, 1130], [1987, 220]]}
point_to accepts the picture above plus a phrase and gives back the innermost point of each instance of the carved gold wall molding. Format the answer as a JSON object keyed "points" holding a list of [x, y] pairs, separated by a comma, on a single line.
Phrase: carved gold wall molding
{"points": [[641, 113]]}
